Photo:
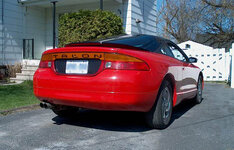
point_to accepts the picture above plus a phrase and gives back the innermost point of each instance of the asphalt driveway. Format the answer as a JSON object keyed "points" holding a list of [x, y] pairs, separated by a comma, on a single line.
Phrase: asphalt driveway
{"points": [[209, 125]]}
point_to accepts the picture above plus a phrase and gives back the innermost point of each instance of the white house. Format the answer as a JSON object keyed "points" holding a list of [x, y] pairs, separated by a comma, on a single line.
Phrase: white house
{"points": [[194, 46], [26, 26], [215, 63]]}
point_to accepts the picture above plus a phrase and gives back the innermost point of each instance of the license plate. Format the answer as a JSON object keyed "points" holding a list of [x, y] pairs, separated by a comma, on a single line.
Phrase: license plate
{"points": [[77, 66]]}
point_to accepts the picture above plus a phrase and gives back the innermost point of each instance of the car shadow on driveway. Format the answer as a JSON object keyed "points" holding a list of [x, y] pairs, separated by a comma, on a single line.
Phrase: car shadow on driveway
{"points": [[181, 109], [117, 121], [106, 120]]}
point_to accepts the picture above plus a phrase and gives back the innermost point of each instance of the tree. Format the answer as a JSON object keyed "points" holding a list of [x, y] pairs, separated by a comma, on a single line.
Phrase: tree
{"points": [[226, 4], [179, 19], [206, 21], [218, 23]]}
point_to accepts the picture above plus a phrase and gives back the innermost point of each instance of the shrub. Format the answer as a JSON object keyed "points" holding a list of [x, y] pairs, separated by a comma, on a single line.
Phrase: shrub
{"points": [[11, 70], [87, 25]]}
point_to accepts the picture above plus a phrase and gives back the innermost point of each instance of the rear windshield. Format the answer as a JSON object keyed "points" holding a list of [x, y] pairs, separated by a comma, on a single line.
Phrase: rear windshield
{"points": [[144, 42]]}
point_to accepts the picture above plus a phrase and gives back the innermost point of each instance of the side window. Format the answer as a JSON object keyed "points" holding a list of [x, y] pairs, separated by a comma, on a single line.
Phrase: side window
{"points": [[166, 51], [176, 52]]}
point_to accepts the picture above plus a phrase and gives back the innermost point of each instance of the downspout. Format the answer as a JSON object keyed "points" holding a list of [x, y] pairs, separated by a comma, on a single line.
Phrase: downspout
{"points": [[101, 4], [3, 30], [54, 23]]}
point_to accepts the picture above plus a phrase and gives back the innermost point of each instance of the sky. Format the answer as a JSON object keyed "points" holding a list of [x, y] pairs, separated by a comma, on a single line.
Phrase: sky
{"points": [[159, 3]]}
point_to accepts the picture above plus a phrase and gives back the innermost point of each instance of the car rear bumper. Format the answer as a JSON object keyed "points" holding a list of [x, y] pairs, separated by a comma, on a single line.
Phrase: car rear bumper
{"points": [[119, 90]]}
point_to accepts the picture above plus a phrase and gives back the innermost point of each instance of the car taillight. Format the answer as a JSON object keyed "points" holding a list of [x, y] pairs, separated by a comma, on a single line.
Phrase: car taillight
{"points": [[124, 62], [46, 61], [45, 64]]}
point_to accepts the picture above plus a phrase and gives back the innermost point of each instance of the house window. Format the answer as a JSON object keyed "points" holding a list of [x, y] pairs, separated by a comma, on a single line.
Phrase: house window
{"points": [[187, 46]]}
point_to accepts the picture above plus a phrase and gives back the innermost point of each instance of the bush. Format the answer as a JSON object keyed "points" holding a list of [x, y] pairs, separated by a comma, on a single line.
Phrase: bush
{"points": [[87, 25], [11, 70]]}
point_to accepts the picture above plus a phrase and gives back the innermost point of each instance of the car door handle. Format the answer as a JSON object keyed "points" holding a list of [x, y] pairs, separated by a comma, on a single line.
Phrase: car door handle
{"points": [[183, 68]]}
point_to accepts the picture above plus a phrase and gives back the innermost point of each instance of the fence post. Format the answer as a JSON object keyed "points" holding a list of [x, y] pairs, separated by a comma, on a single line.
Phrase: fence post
{"points": [[232, 66]]}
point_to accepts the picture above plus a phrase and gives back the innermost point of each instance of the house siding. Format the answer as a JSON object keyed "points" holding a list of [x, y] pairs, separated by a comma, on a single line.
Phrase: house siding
{"points": [[18, 22], [145, 11], [35, 25], [11, 32]]}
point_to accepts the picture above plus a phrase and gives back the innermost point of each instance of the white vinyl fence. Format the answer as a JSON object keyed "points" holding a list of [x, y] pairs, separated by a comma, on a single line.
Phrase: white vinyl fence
{"points": [[214, 63], [232, 66]]}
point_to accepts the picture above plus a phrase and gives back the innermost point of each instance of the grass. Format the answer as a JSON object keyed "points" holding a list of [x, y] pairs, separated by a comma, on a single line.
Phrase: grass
{"points": [[14, 96]]}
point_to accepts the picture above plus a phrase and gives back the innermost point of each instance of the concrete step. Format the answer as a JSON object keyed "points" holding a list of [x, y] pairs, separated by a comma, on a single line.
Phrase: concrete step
{"points": [[16, 80], [28, 71], [24, 77], [25, 74], [30, 62], [30, 67]]}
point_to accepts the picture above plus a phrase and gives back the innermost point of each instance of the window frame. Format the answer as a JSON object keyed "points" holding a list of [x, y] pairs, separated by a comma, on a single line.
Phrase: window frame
{"points": [[164, 45], [168, 43]]}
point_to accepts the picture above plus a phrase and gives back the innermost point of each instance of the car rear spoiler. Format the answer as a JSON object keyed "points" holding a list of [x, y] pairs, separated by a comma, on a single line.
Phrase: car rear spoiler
{"points": [[103, 44]]}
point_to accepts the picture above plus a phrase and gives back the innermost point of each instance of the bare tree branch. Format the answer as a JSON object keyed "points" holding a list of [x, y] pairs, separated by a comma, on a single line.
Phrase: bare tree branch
{"points": [[220, 5]]}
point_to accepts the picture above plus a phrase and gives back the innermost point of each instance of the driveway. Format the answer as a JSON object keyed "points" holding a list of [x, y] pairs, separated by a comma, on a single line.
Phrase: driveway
{"points": [[209, 125]]}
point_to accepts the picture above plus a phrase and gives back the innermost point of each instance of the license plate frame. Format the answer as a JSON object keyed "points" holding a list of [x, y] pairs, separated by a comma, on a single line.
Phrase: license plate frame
{"points": [[77, 67]]}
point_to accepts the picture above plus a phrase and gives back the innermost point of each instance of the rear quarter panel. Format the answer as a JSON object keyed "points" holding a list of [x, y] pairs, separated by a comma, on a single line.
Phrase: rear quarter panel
{"points": [[184, 76], [160, 66]]}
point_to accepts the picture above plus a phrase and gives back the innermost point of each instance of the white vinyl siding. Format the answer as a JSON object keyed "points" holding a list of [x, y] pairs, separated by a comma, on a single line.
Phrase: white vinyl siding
{"points": [[35, 22], [20, 23], [145, 11], [11, 32]]}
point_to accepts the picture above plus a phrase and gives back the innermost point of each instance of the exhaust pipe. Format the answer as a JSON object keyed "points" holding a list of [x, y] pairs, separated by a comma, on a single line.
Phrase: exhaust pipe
{"points": [[46, 105]]}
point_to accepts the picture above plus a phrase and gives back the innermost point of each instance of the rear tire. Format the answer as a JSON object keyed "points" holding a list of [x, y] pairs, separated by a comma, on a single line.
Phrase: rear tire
{"points": [[198, 99], [159, 116], [65, 112]]}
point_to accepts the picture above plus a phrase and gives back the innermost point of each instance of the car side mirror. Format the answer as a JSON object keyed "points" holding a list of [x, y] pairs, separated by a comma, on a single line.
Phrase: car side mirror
{"points": [[192, 59]]}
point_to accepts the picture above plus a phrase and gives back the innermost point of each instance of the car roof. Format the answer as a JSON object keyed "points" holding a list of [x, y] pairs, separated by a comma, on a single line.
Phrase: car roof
{"points": [[132, 36], [139, 41], [121, 37]]}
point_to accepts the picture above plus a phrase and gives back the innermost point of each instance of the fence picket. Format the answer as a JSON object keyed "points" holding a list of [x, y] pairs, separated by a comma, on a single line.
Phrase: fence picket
{"points": [[231, 66]]}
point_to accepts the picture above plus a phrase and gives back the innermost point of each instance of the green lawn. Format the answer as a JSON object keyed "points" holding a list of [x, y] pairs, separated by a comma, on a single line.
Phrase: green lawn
{"points": [[13, 96]]}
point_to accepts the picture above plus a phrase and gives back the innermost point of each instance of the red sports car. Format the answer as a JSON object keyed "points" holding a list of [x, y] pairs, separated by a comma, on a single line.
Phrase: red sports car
{"points": [[126, 73]]}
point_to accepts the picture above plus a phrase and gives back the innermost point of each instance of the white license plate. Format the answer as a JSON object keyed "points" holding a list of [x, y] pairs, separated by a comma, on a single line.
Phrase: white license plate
{"points": [[77, 66]]}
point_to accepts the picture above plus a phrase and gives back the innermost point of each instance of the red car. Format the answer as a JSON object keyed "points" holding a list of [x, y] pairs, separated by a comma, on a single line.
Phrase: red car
{"points": [[127, 73]]}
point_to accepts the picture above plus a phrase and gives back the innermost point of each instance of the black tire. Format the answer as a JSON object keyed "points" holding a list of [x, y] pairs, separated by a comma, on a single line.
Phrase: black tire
{"points": [[198, 98], [157, 117], [67, 112]]}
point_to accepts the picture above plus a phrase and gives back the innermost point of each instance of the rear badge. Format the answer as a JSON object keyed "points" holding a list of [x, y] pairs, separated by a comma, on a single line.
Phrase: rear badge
{"points": [[77, 66], [78, 56]]}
